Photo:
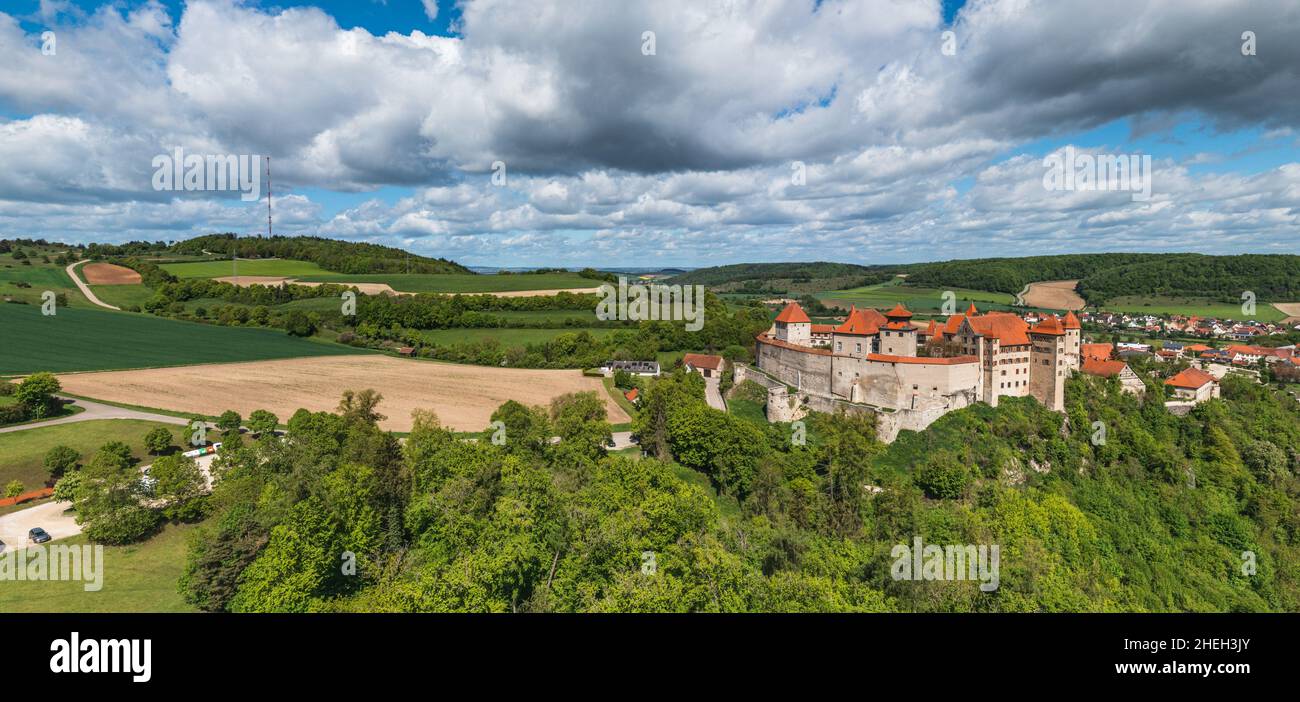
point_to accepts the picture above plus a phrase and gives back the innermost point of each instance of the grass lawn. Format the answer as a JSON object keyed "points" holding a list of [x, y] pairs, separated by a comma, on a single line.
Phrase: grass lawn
{"points": [[507, 337], [556, 317], [22, 453], [460, 282], [1191, 306], [747, 410], [313, 304], [220, 269], [123, 296], [97, 339], [886, 295], [619, 398], [137, 578]]}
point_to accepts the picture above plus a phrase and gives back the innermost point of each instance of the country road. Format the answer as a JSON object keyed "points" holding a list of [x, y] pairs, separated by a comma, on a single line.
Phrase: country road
{"points": [[95, 410], [85, 289]]}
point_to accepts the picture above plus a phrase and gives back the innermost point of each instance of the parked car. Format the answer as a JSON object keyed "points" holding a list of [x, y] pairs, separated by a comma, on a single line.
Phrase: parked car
{"points": [[39, 535]]}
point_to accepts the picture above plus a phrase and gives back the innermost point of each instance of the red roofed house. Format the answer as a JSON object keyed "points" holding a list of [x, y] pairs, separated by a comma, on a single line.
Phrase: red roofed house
{"points": [[633, 395], [705, 365], [793, 326], [1096, 352], [1194, 385], [1128, 380], [857, 336]]}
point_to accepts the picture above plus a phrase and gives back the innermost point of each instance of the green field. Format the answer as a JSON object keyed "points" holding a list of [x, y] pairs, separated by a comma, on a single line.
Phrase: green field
{"points": [[39, 275], [220, 269], [1192, 307], [310, 304], [22, 453], [507, 337], [558, 317], [461, 283], [928, 300], [96, 339], [137, 578], [123, 296]]}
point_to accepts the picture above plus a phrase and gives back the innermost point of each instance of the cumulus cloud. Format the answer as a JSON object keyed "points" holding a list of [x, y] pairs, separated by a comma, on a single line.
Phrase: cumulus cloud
{"points": [[670, 131]]}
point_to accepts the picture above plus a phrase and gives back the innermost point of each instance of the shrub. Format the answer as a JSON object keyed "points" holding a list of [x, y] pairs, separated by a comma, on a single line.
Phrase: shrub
{"points": [[60, 460], [14, 488]]}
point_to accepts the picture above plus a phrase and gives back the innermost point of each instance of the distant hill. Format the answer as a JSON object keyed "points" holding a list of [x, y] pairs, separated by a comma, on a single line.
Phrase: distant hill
{"points": [[330, 254], [1102, 277], [785, 278]]}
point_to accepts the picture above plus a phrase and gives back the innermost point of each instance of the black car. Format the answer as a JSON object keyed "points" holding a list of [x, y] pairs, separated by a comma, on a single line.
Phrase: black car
{"points": [[39, 535]]}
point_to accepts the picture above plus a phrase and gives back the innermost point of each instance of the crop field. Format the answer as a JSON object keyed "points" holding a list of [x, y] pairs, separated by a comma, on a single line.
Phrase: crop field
{"points": [[886, 295], [507, 337], [459, 282], [95, 339], [123, 296], [40, 277], [22, 453], [268, 267], [463, 396], [1188, 306], [557, 317]]}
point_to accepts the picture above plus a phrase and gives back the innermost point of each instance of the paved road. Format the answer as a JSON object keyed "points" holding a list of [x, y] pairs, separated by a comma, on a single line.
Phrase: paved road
{"points": [[85, 289], [622, 440], [713, 395], [49, 516], [95, 410]]}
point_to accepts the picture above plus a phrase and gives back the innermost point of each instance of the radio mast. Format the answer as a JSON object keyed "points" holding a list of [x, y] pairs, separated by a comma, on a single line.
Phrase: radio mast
{"points": [[268, 197]]}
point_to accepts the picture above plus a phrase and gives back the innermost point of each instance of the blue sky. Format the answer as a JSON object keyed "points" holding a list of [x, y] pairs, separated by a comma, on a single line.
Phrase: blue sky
{"points": [[386, 125]]}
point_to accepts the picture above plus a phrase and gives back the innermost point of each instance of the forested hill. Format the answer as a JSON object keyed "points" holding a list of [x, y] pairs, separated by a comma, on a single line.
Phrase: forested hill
{"points": [[1272, 277], [741, 272], [330, 254]]}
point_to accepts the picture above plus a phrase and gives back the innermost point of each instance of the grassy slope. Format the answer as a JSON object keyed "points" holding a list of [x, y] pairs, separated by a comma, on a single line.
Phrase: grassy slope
{"points": [[1188, 306], [95, 339], [928, 300], [122, 296], [41, 277], [22, 453], [137, 578], [219, 269]]}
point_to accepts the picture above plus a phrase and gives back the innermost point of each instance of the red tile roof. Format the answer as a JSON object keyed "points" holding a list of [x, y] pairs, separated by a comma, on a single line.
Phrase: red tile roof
{"points": [[1097, 352], [1071, 321], [700, 360], [793, 314], [1191, 378], [632, 394], [1007, 328], [971, 311], [861, 322], [1105, 369], [1049, 325], [823, 328], [899, 312]]}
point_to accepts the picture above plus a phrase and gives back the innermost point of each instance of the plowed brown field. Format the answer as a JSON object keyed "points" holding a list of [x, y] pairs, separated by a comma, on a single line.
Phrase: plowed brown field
{"points": [[109, 274]]}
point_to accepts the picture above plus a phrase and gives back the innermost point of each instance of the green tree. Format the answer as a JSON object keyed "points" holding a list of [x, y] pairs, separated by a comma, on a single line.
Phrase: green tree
{"points": [[179, 485], [943, 475], [229, 421], [14, 488], [60, 460], [37, 394], [158, 440], [109, 500], [262, 422]]}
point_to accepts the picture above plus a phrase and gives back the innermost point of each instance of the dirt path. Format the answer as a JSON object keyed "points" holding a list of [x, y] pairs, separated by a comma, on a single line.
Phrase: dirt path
{"points": [[96, 410], [85, 289]]}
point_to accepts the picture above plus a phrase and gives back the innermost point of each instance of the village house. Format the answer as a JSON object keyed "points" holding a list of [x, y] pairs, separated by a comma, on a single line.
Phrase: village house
{"points": [[1128, 380], [1193, 385], [705, 365]]}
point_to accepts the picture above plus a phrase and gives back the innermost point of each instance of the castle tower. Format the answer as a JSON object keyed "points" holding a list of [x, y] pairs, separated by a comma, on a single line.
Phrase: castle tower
{"points": [[1073, 342], [793, 326], [857, 336], [897, 336], [1048, 368]]}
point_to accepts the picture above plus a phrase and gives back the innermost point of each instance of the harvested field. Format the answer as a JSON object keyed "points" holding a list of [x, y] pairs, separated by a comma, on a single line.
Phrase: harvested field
{"points": [[109, 274], [1053, 295], [1291, 310], [464, 397], [383, 288]]}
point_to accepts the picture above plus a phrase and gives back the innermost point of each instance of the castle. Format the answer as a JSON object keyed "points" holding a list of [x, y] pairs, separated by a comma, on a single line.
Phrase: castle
{"points": [[911, 374]]}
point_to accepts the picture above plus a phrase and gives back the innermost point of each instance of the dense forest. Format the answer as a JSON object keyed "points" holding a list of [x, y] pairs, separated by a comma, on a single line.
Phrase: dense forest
{"points": [[1167, 513], [330, 254], [742, 272]]}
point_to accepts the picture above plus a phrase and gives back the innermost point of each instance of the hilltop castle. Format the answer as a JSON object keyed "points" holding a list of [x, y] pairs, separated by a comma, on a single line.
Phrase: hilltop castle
{"points": [[910, 374]]}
